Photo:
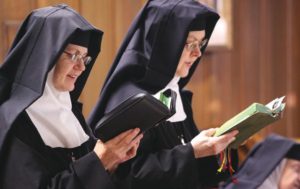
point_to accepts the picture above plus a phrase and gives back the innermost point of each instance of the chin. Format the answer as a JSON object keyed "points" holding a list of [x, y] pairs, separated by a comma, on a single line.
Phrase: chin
{"points": [[67, 88], [70, 89], [185, 74]]}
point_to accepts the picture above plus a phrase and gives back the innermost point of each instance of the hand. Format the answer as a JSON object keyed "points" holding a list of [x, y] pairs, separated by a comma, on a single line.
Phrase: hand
{"points": [[119, 149], [205, 144]]}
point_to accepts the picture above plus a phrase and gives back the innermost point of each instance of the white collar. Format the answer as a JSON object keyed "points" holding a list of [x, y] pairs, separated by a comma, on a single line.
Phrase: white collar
{"points": [[53, 117], [179, 114]]}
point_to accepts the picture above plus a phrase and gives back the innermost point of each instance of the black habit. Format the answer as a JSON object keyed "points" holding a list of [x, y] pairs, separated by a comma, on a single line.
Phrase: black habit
{"points": [[262, 161], [146, 62], [25, 161]]}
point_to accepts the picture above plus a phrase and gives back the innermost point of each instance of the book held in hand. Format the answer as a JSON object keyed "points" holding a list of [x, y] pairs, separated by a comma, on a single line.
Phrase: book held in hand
{"points": [[251, 120], [141, 110]]}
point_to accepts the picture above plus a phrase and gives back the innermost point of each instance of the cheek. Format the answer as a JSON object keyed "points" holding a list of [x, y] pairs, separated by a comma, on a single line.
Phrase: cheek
{"points": [[179, 66], [183, 58], [57, 73], [60, 73], [63, 70], [56, 79], [185, 55]]}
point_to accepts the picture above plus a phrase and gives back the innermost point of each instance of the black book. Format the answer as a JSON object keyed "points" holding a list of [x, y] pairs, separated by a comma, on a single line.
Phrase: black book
{"points": [[141, 110]]}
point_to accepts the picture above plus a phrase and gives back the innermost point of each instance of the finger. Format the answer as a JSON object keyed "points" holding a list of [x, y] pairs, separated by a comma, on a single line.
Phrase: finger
{"points": [[134, 142], [232, 133], [209, 132], [224, 140], [220, 143], [129, 137], [132, 152], [120, 145], [121, 136], [227, 138], [137, 139]]}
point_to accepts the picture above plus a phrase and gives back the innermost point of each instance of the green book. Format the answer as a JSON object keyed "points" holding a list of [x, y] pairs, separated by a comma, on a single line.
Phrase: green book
{"points": [[251, 120]]}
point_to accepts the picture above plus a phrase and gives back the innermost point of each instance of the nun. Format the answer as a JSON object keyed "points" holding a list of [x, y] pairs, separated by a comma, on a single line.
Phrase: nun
{"points": [[44, 139], [161, 51], [272, 164]]}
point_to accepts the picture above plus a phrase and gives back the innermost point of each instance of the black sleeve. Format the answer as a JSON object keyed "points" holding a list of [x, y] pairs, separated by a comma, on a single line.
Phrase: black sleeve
{"points": [[208, 166], [25, 168], [173, 166], [170, 168], [208, 170], [4, 88]]}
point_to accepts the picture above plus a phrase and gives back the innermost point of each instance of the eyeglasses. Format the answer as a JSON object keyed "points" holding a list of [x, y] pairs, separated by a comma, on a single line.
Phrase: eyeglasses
{"points": [[193, 45], [76, 58]]}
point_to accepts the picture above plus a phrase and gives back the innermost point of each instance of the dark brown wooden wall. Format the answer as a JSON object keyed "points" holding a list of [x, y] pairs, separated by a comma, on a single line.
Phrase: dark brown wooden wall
{"points": [[262, 64]]}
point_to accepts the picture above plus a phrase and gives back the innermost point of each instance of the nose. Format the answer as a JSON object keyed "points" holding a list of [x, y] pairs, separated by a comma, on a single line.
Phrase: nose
{"points": [[197, 52], [80, 65]]}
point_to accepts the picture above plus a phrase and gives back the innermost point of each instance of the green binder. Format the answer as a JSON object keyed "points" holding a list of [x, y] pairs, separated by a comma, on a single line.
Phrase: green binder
{"points": [[251, 120]]}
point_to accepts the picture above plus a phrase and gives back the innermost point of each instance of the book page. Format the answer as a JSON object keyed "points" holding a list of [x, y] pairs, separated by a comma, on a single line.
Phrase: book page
{"points": [[276, 105]]}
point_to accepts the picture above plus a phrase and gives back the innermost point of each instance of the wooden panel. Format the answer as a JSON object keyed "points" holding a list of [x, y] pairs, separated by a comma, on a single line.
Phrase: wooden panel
{"points": [[293, 67], [75, 4], [226, 81], [202, 86], [113, 18], [125, 12], [101, 13], [265, 54], [9, 30], [276, 59], [16, 10], [12, 14], [262, 64]]}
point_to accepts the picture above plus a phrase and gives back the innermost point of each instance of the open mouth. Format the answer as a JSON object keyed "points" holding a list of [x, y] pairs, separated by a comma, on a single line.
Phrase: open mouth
{"points": [[73, 76], [189, 64]]}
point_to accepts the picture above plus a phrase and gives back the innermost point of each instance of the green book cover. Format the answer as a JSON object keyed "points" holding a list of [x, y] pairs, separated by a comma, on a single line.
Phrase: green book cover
{"points": [[251, 120]]}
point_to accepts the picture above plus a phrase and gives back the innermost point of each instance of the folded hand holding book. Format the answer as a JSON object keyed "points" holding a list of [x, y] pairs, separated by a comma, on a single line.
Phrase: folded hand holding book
{"points": [[141, 110], [251, 120]]}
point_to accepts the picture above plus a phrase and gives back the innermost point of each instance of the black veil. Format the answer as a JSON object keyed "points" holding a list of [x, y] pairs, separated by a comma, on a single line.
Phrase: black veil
{"points": [[38, 44], [149, 55]]}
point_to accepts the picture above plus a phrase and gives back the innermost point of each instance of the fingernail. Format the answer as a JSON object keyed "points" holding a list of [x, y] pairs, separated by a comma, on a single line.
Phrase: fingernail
{"points": [[235, 132], [137, 130]]}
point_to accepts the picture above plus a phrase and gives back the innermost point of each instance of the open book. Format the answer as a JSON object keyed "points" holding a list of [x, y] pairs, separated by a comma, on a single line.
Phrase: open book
{"points": [[251, 120], [141, 110]]}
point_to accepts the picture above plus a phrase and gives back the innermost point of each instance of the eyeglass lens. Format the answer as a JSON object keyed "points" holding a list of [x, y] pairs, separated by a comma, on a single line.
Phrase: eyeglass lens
{"points": [[193, 45], [77, 57]]}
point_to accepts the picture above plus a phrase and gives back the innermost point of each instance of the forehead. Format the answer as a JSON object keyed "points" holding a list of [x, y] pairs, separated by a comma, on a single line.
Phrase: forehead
{"points": [[72, 47], [294, 162], [196, 35]]}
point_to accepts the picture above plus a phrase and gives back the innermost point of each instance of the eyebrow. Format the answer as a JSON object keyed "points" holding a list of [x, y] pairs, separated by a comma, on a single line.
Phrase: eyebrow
{"points": [[195, 38], [77, 51]]}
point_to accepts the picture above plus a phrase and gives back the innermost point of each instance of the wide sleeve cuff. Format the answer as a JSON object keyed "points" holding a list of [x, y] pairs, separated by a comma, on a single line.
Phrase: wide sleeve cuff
{"points": [[91, 172]]}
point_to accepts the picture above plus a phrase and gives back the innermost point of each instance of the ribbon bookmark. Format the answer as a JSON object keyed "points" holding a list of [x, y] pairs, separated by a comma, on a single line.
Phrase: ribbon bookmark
{"points": [[226, 163]]}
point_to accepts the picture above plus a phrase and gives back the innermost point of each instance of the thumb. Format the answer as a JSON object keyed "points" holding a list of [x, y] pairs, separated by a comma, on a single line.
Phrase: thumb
{"points": [[209, 132]]}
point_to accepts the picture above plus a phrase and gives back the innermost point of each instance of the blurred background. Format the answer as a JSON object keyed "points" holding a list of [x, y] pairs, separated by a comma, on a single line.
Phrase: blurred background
{"points": [[254, 56]]}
